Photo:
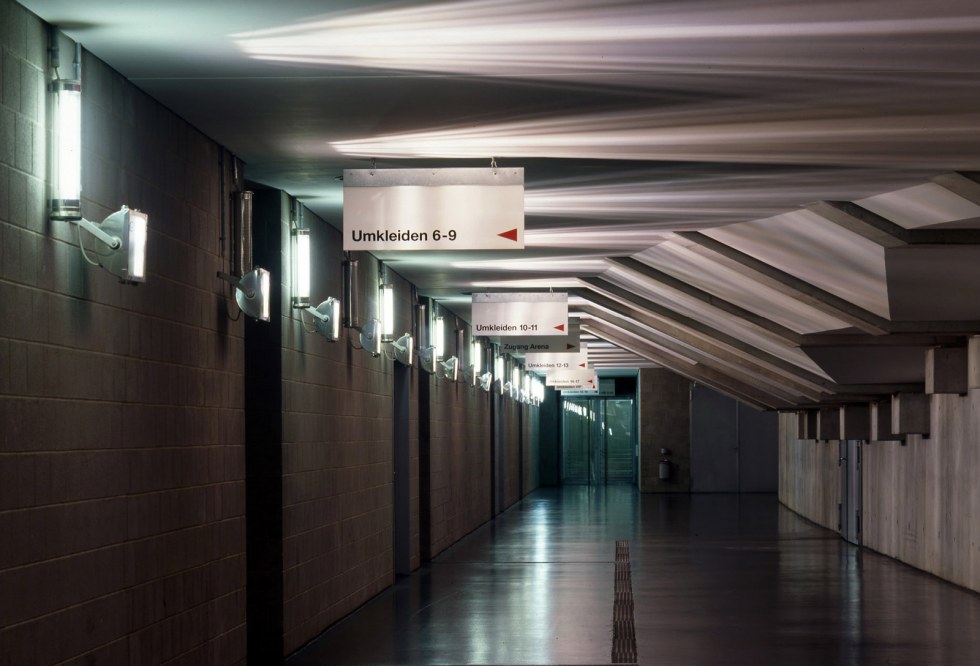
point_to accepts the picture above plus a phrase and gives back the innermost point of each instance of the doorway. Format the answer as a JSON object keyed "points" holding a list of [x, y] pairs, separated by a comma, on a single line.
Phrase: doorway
{"points": [[598, 441], [850, 490]]}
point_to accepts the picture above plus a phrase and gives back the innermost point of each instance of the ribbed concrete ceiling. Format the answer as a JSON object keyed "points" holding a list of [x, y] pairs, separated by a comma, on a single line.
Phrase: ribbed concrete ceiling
{"points": [[750, 194]]}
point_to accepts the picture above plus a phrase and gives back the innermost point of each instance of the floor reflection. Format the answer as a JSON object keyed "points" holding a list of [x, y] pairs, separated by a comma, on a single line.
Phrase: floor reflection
{"points": [[717, 579]]}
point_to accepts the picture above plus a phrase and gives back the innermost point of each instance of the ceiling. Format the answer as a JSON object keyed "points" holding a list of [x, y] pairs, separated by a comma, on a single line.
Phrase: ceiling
{"points": [[777, 199]]}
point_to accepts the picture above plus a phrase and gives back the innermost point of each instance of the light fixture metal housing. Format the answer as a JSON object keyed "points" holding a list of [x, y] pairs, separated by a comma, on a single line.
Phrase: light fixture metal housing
{"points": [[449, 368], [404, 349], [121, 247], [326, 319], [252, 292], [370, 336], [486, 380], [427, 359]]}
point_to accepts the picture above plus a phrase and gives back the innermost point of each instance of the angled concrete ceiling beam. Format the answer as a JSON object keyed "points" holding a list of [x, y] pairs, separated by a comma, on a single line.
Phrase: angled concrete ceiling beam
{"points": [[962, 185], [647, 271], [743, 369], [694, 333], [743, 373], [886, 233], [894, 340], [756, 269], [746, 393], [862, 222]]}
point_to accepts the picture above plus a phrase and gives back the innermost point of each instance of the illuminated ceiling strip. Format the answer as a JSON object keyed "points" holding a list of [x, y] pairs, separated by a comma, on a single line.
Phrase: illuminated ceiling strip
{"points": [[684, 136], [535, 38]]}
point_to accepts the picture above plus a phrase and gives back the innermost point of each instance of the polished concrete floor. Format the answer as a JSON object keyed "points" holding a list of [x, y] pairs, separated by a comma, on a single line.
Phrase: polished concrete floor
{"points": [[715, 579]]}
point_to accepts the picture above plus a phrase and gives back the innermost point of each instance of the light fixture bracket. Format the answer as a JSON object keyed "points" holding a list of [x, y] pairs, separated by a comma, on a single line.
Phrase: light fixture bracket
{"points": [[326, 319], [123, 235], [403, 349], [252, 292], [370, 336]]}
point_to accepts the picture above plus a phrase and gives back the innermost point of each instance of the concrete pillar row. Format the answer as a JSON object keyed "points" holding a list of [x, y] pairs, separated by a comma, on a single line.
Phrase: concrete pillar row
{"points": [[807, 423], [828, 423], [947, 370], [910, 414], [881, 423], [856, 421], [973, 362]]}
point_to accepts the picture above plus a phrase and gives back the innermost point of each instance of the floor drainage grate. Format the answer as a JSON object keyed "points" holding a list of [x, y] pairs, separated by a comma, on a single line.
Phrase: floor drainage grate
{"points": [[624, 630]]}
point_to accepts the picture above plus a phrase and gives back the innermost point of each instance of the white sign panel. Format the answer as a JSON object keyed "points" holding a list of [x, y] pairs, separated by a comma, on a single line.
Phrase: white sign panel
{"points": [[537, 361], [520, 314], [545, 344], [434, 209], [570, 379], [606, 387]]}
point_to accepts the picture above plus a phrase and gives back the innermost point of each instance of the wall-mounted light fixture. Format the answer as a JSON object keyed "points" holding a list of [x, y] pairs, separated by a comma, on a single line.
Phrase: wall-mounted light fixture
{"points": [[403, 349], [327, 319], [537, 390], [370, 336], [370, 332], [486, 380], [498, 372], [326, 316], [449, 368], [472, 373], [386, 306], [427, 359], [252, 292], [120, 245], [301, 264], [439, 337], [67, 154]]}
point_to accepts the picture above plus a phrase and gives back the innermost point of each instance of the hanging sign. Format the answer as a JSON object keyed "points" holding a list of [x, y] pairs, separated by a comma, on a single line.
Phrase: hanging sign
{"points": [[576, 378], [434, 209], [549, 344], [606, 388], [538, 361], [527, 315]]}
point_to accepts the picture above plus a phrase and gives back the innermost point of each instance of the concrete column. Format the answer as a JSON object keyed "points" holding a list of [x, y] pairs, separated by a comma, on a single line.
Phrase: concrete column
{"points": [[910, 414], [947, 370], [856, 422]]}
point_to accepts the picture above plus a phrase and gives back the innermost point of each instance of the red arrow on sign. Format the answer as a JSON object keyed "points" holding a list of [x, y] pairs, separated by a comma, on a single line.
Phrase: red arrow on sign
{"points": [[509, 235], [560, 327], [581, 365]]}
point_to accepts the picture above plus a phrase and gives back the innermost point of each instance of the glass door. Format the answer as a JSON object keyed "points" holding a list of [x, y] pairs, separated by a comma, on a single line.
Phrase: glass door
{"points": [[598, 441]]}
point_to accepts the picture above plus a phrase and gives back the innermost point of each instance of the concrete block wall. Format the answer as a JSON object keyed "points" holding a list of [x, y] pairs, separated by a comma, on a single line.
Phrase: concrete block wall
{"points": [[122, 447], [459, 460], [512, 450], [336, 453], [532, 447], [664, 422], [124, 471]]}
